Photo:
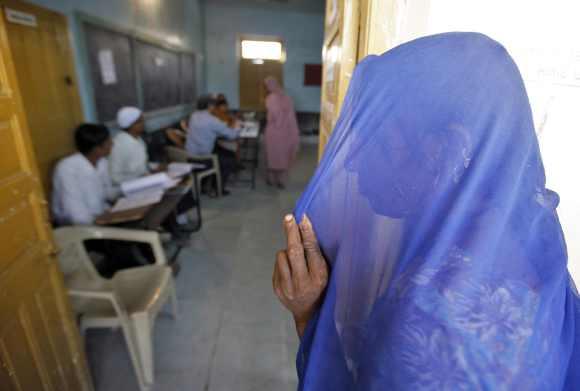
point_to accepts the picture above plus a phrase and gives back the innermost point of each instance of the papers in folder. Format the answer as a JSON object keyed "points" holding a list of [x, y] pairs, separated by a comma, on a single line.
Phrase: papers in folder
{"points": [[160, 181], [138, 200], [143, 191]]}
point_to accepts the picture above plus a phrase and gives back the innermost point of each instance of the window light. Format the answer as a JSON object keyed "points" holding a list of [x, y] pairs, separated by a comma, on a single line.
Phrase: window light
{"points": [[262, 50]]}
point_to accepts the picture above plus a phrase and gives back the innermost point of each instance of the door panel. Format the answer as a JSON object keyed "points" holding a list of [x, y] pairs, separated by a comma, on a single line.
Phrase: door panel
{"points": [[339, 59], [46, 78], [252, 91], [40, 347]]}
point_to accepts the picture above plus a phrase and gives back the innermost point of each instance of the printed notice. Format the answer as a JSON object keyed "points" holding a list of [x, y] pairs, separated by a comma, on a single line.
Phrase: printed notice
{"points": [[20, 17], [107, 65], [159, 61]]}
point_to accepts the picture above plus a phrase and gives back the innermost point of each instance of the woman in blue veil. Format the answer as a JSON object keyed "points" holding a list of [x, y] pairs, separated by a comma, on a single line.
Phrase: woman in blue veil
{"points": [[445, 260]]}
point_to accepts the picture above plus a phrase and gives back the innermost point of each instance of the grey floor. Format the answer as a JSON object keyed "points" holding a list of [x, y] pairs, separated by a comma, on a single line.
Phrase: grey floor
{"points": [[232, 333]]}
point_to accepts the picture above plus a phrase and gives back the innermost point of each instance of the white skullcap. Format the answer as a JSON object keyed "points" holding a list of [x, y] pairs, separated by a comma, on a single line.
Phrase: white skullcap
{"points": [[127, 116]]}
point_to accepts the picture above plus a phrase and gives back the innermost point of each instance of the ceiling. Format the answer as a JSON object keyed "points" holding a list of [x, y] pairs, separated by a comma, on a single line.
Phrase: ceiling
{"points": [[314, 6]]}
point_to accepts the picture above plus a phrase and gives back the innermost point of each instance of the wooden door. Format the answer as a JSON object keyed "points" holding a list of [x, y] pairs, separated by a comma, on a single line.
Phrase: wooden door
{"points": [[45, 71], [385, 24], [339, 56], [380, 22], [252, 75], [40, 347]]}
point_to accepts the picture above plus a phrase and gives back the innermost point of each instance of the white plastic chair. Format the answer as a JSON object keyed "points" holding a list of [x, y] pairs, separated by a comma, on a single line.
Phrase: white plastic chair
{"points": [[130, 300], [175, 154]]}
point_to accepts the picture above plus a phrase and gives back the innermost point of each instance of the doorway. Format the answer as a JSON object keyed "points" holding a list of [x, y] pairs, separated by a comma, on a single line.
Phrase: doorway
{"points": [[260, 58]]}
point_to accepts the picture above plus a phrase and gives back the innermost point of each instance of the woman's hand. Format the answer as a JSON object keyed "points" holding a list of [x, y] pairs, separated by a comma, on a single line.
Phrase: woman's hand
{"points": [[301, 273]]}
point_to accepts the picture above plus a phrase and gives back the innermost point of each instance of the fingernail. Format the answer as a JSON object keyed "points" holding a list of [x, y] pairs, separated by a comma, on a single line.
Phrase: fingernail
{"points": [[305, 223], [288, 218]]}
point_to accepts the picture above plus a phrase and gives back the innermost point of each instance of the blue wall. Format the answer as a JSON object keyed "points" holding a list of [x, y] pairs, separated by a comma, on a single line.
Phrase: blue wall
{"points": [[303, 33], [159, 19]]}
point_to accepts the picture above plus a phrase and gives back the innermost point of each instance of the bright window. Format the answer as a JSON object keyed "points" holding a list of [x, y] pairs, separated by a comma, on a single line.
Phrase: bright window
{"points": [[262, 50]]}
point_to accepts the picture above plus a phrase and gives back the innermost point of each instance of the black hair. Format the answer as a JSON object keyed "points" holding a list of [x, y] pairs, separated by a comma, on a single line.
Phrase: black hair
{"points": [[205, 101], [90, 136], [221, 102]]}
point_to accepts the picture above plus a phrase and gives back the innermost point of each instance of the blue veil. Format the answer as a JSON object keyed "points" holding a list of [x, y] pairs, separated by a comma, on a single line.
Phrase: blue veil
{"points": [[447, 260]]}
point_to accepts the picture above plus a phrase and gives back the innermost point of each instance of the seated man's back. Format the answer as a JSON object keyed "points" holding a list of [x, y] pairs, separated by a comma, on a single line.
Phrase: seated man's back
{"points": [[205, 128]]}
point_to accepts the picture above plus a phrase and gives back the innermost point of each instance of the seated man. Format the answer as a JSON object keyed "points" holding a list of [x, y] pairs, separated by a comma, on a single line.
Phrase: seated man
{"points": [[81, 182], [129, 157], [129, 160], [222, 110], [204, 129]]}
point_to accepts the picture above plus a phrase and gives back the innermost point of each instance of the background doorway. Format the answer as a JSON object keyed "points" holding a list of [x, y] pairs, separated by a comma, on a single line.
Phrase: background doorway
{"points": [[259, 59]]}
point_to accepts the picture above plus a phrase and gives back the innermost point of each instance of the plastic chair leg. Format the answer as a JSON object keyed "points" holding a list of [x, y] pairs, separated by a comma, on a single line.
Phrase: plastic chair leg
{"points": [[218, 179], [174, 303], [142, 329], [132, 344]]}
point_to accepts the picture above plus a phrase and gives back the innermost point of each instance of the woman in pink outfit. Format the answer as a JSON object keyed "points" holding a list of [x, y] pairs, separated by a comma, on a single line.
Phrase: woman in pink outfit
{"points": [[282, 134]]}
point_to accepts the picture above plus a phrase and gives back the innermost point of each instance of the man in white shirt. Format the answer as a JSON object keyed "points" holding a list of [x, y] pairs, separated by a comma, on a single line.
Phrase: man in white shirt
{"points": [[81, 182], [129, 157], [204, 129]]}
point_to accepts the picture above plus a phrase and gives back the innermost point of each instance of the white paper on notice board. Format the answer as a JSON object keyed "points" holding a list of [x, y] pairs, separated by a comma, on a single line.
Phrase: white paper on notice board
{"points": [[107, 65], [159, 61]]}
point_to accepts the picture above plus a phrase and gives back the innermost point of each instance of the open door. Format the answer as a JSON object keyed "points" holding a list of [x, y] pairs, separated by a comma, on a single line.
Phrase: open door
{"points": [[339, 56], [44, 66], [353, 30], [40, 347]]}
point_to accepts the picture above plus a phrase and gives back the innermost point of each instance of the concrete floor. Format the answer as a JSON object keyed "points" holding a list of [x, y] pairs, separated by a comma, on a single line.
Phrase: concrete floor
{"points": [[232, 333]]}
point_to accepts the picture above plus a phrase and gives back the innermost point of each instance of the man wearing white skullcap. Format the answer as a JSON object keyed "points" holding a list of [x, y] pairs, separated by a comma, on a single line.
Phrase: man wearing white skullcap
{"points": [[129, 157]]}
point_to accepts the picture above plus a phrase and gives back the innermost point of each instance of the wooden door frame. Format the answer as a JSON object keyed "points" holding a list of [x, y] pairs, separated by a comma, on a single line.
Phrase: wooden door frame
{"points": [[345, 30]]}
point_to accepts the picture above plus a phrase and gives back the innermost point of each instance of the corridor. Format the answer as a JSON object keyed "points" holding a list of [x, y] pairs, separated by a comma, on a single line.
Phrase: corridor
{"points": [[232, 333]]}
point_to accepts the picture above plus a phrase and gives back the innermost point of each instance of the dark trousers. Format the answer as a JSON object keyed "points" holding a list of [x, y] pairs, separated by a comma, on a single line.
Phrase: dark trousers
{"points": [[228, 162], [114, 255]]}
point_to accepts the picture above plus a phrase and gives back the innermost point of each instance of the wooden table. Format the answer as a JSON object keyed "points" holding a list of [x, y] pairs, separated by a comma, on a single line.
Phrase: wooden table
{"points": [[149, 217]]}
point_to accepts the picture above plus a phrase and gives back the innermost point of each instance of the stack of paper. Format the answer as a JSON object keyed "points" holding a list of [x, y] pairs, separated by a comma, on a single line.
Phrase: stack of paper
{"points": [[143, 191], [138, 200], [250, 129], [177, 170], [158, 181]]}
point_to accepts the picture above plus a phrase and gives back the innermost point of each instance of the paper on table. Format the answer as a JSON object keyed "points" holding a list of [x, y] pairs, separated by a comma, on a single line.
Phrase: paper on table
{"points": [[149, 182], [176, 170], [179, 169], [154, 166], [138, 200], [171, 183], [250, 129]]}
